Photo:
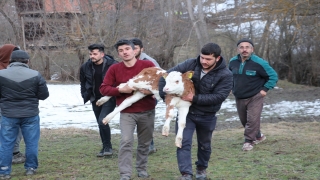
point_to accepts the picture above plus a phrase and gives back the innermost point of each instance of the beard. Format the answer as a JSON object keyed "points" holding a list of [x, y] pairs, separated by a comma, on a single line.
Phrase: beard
{"points": [[138, 55]]}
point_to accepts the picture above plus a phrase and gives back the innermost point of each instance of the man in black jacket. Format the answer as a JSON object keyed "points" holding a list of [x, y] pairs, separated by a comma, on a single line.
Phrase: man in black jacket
{"points": [[92, 73], [213, 83], [21, 89]]}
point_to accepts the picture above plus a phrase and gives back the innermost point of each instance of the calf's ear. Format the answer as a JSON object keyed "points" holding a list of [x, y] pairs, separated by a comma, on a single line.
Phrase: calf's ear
{"points": [[189, 74]]}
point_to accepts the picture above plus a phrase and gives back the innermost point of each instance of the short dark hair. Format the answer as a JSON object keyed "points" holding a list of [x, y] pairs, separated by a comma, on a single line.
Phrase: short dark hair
{"points": [[137, 41], [100, 47], [123, 42], [211, 48]]}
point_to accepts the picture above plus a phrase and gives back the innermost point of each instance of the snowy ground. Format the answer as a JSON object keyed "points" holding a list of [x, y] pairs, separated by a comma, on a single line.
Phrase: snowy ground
{"points": [[65, 108]]}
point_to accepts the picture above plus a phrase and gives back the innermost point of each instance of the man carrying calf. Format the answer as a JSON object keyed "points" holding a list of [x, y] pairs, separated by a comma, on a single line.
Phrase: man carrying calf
{"points": [[140, 114], [213, 83]]}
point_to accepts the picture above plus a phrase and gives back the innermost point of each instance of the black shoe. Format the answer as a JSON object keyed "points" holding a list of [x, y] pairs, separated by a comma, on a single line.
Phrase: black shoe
{"points": [[105, 152], [30, 171], [18, 158], [201, 175]]}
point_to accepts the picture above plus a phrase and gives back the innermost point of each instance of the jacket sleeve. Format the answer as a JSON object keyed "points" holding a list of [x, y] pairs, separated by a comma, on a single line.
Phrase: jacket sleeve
{"points": [[43, 92], [107, 87]]}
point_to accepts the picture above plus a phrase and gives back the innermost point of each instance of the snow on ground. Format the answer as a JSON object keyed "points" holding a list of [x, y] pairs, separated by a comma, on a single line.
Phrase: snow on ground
{"points": [[65, 108]]}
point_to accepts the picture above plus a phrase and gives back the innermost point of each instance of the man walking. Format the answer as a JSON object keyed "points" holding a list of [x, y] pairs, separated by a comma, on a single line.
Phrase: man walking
{"points": [[138, 49], [20, 90], [92, 73], [252, 78], [213, 82], [140, 114]]}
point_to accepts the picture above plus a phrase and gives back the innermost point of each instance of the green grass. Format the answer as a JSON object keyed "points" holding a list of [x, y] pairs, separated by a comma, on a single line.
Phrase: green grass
{"points": [[291, 151]]}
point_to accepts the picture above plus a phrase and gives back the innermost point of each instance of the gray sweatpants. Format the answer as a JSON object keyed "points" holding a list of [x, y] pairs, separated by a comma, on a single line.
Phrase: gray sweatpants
{"points": [[249, 111], [144, 121]]}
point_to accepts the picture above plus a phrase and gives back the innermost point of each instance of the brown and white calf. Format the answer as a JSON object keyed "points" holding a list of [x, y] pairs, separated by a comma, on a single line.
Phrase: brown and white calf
{"points": [[148, 79], [177, 85]]}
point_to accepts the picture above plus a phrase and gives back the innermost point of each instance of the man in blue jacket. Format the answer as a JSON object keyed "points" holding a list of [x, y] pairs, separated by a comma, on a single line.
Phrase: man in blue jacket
{"points": [[252, 78], [21, 89], [213, 82]]}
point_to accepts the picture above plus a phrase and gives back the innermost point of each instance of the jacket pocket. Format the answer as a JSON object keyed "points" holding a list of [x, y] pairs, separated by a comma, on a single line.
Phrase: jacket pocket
{"points": [[251, 73]]}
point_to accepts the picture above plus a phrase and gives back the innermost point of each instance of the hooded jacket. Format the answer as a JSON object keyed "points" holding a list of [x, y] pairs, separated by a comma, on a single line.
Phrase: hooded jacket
{"points": [[210, 91], [5, 54]]}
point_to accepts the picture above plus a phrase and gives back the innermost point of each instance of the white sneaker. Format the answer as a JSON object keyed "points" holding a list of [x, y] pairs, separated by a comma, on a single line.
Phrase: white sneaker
{"points": [[247, 146]]}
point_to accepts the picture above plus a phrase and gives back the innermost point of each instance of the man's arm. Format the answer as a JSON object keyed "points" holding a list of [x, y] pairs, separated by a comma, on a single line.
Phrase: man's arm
{"points": [[43, 92]]}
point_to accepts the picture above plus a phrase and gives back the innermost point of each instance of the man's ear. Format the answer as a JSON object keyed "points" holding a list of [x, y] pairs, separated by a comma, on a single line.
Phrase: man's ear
{"points": [[141, 49]]}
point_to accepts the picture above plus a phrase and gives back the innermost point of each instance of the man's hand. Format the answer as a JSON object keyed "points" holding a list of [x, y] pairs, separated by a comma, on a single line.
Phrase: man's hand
{"points": [[188, 97], [125, 89], [263, 93]]}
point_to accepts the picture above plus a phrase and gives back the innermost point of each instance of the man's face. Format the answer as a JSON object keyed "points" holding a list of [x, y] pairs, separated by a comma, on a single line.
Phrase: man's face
{"points": [[137, 51], [208, 62], [96, 56], [245, 50], [126, 53]]}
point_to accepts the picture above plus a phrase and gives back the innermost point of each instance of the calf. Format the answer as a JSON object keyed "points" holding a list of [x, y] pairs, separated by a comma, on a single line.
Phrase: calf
{"points": [[177, 85], [148, 79]]}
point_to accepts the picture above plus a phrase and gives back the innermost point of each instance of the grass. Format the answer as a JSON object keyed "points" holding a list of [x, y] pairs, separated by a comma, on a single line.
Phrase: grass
{"points": [[291, 151]]}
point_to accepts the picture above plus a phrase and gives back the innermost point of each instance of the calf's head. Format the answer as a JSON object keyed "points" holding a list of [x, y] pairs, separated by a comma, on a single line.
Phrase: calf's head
{"points": [[176, 82]]}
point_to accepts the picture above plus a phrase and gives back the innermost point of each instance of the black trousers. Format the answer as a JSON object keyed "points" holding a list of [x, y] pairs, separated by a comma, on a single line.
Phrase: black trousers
{"points": [[101, 112]]}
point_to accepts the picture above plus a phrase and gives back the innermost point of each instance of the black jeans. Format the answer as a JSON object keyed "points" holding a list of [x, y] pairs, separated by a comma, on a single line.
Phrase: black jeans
{"points": [[204, 126], [101, 112]]}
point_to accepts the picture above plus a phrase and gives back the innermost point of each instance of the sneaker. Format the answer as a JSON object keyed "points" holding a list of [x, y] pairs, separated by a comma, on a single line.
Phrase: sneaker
{"points": [[5, 176], [185, 177], [105, 152], [30, 171], [259, 140], [124, 178], [152, 149], [201, 175], [247, 146], [18, 158], [143, 174]]}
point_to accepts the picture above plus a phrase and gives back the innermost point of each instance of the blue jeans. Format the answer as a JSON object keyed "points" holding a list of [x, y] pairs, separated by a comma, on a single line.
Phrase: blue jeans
{"points": [[204, 126], [30, 128], [16, 148]]}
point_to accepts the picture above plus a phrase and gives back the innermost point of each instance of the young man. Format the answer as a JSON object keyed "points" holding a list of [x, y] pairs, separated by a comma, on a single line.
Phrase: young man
{"points": [[92, 73], [5, 54], [20, 90], [140, 114], [252, 77], [213, 82], [138, 49]]}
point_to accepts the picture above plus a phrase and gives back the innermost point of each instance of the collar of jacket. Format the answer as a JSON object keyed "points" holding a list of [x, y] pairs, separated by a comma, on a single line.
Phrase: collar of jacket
{"points": [[18, 64]]}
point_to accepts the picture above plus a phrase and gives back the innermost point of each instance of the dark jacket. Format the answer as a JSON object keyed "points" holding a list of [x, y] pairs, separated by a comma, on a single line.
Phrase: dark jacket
{"points": [[251, 76], [20, 91], [211, 90], [87, 84]]}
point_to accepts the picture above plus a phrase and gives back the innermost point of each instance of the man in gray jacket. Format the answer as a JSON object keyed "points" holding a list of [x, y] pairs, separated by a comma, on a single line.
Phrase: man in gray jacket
{"points": [[21, 89], [138, 49]]}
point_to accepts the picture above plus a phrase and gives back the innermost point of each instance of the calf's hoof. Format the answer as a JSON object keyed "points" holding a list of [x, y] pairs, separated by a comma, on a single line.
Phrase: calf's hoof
{"points": [[178, 142], [165, 131]]}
